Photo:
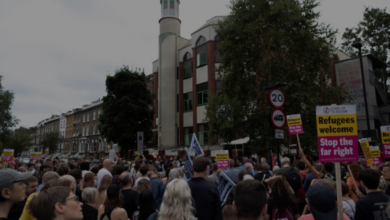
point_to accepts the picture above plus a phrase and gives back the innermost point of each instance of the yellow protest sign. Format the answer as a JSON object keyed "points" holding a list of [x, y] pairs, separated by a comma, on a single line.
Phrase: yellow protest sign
{"points": [[366, 151], [8, 156], [385, 135], [222, 158]]}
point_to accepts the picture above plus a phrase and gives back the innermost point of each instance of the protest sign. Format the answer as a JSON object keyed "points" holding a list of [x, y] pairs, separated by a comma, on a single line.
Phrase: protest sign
{"points": [[225, 186], [293, 150], [337, 133], [46, 153], [187, 168], [222, 157], [196, 146], [8, 156], [366, 151], [294, 123], [385, 134], [376, 156]]}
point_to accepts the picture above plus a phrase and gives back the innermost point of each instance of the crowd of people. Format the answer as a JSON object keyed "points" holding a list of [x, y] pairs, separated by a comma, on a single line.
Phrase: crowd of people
{"points": [[143, 189]]}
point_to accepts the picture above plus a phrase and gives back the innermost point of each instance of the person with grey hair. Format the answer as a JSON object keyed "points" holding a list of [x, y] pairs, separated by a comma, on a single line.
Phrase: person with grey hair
{"points": [[70, 179], [292, 175], [130, 196], [174, 173], [232, 172], [244, 161], [89, 210]]}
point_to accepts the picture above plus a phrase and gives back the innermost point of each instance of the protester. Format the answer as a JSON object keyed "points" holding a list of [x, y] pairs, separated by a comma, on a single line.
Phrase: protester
{"points": [[60, 203], [232, 172], [215, 175], [88, 181], [111, 209], [311, 176], [130, 197], [302, 169], [31, 168], [373, 205], [144, 174], [157, 186], [328, 169], [261, 175], [349, 205], [205, 195], [228, 213], [63, 169], [386, 177], [116, 172], [17, 208], [250, 200], [147, 206], [12, 189], [354, 193], [89, 210], [105, 171], [177, 202], [143, 184], [242, 174], [76, 173], [102, 189], [281, 204]]}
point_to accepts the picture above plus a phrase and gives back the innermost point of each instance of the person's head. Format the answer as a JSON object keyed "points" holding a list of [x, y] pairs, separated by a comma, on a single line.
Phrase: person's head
{"points": [[344, 188], [142, 185], [88, 180], [177, 201], [72, 181], [117, 170], [104, 183], [280, 193], [114, 198], [228, 213], [259, 167], [215, 168], [89, 195], [77, 174], [107, 164], [250, 199], [249, 166], [275, 168], [369, 178], [231, 161], [386, 172], [49, 176], [84, 166], [152, 171], [328, 167], [144, 170], [146, 204], [31, 185], [355, 168], [44, 168], [200, 165], [95, 170], [301, 165], [30, 167], [174, 173], [285, 161], [63, 169], [242, 174], [12, 186], [58, 202], [321, 199], [318, 167], [126, 179], [95, 163]]}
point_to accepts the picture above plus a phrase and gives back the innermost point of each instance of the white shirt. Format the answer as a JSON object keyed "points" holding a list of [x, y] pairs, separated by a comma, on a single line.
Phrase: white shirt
{"points": [[103, 172]]}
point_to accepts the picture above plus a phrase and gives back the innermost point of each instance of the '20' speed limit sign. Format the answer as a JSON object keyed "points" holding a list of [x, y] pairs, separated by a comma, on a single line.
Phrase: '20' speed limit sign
{"points": [[276, 98]]}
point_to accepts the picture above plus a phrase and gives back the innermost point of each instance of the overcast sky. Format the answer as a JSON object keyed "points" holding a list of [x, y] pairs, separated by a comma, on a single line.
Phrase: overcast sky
{"points": [[55, 55]]}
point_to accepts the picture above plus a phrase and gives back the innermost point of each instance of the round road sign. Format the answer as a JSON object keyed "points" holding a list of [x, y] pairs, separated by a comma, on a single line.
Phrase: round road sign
{"points": [[278, 118], [276, 98]]}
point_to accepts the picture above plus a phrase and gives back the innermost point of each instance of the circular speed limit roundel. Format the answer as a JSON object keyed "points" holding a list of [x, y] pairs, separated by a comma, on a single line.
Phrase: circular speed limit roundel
{"points": [[278, 118], [276, 98]]}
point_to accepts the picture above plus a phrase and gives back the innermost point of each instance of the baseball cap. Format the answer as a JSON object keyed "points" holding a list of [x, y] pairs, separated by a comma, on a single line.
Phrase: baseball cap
{"points": [[95, 161], [322, 201], [113, 190], [9, 176]]}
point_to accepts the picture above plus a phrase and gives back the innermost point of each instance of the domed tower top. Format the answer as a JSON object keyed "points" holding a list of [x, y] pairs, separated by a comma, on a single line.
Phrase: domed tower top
{"points": [[170, 8]]}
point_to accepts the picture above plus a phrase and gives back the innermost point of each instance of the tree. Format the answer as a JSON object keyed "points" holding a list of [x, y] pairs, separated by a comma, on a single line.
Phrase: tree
{"points": [[126, 108], [51, 140], [374, 33], [263, 42], [7, 120], [20, 142]]}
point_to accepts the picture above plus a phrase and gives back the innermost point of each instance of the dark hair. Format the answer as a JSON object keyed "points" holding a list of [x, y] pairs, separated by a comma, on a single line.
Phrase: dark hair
{"points": [[114, 202], [88, 177], [95, 170], [144, 170], [117, 170], [301, 165], [146, 204], [344, 188], [329, 167], [280, 194], [71, 166], [31, 179], [76, 173], [43, 166], [63, 169], [370, 178], [250, 197], [242, 173], [355, 168], [137, 166], [200, 164], [259, 167], [84, 166], [48, 198]]}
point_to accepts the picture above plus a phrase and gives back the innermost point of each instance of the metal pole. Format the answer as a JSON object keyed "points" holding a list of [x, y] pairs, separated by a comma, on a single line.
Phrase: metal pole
{"points": [[364, 92], [278, 153]]}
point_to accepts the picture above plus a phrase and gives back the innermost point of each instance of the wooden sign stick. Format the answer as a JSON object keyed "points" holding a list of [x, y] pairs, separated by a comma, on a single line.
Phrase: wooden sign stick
{"points": [[353, 179], [299, 143]]}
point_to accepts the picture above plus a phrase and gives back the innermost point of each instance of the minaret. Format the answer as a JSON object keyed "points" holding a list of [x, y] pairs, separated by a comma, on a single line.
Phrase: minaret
{"points": [[167, 72]]}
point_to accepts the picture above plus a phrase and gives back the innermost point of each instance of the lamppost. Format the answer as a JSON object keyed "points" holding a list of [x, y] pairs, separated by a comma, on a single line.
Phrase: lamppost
{"points": [[358, 46]]}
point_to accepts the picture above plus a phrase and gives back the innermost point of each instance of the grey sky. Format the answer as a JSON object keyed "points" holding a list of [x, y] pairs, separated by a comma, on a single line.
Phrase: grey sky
{"points": [[55, 55]]}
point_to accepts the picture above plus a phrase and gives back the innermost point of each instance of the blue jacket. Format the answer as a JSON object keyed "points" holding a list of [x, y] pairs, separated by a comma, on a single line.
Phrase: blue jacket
{"points": [[157, 191]]}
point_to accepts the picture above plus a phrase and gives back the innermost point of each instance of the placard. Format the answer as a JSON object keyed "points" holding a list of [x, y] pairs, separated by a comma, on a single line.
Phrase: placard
{"points": [[376, 156], [8, 156], [293, 150], [366, 151], [337, 133], [46, 152], [222, 158], [294, 123], [385, 134]]}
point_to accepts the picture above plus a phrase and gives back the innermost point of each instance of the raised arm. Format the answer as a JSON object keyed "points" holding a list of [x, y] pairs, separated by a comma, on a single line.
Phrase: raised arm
{"points": [[309, 166]]}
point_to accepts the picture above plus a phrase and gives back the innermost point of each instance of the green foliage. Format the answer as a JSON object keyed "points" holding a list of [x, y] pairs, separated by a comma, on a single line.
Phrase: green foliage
{"points": [[7, 120], [263, 42], [126, 108], [51, 140], [19, 142]]}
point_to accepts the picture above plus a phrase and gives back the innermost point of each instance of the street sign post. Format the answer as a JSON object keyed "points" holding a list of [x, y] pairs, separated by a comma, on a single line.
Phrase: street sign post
{"points": [[279, 134], [277, 98], [140, 142], [278, 118]]}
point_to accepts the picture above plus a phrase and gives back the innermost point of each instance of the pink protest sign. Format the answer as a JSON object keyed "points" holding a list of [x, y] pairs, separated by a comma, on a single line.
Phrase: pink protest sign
{"points": [[376, 156], [337, 133], [385, 134], [8, 156], [222, 158], [294, 123]]}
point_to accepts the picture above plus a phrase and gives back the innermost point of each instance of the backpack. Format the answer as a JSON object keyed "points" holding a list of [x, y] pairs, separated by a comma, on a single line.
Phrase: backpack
{"points": [[328, 177], [294, 179], [281, 214]]}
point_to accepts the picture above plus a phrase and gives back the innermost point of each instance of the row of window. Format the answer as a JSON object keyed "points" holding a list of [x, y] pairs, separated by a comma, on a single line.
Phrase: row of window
{"points": [[202, 96], [203, 134]]}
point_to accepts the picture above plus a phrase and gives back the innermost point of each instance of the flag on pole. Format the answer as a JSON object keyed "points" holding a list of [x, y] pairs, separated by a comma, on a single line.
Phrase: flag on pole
{"points": [[187, 168], [196, 146], [225, 186]]}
